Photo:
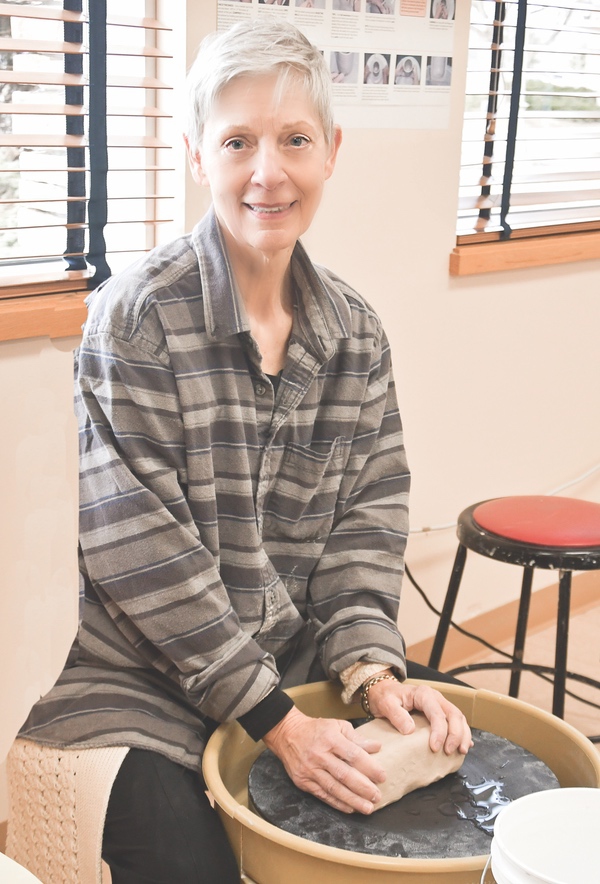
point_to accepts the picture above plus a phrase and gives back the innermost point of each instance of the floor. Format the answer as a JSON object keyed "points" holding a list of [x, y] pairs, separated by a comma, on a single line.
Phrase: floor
{"points": [[583, 658]]}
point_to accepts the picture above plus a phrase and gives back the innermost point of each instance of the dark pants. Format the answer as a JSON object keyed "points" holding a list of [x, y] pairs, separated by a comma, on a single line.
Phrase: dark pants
{"points": [[160, 827]]}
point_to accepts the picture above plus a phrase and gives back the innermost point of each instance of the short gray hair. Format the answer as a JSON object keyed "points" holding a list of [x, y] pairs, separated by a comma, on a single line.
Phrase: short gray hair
{"points": [[256, 48]]}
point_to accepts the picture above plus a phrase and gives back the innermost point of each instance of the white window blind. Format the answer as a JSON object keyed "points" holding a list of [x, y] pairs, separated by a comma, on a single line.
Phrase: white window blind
{"points": [[531, 139], [86, 177]]}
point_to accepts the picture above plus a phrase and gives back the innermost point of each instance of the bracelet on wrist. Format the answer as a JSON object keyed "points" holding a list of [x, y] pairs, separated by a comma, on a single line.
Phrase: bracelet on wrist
{"points": [[366, 687]]}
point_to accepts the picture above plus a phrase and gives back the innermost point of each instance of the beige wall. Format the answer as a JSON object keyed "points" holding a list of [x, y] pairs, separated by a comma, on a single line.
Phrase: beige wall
{"points": [[498, 379], [38, 525]]}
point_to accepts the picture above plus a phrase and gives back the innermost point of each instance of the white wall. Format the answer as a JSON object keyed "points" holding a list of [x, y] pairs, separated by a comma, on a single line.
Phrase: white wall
{"points": [[498, 379], [38, 525]]}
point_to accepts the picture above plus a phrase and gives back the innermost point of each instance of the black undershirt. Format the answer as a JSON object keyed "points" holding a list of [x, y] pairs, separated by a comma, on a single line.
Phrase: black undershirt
{"points": [[275, 378]]}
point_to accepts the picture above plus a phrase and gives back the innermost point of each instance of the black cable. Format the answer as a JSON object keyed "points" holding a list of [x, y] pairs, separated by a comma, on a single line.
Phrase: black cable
{"points": [[458, 628], [536, 669]]}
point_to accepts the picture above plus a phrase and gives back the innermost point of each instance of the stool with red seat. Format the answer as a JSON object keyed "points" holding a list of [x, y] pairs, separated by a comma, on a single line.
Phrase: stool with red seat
{"points": [[558, 533]]}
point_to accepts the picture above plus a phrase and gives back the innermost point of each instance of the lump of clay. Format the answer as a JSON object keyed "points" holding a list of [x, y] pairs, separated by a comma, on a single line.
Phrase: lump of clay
{"points": [[407, 759]]}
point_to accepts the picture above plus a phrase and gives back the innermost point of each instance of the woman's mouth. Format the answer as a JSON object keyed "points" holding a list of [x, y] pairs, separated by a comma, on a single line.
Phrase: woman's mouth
{"points": [[257, 208]]}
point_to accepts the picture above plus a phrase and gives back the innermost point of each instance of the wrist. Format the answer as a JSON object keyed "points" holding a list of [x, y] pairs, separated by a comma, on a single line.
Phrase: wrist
{"points": [[356, 675], [279, 733], [386, 675], [266, 714]]}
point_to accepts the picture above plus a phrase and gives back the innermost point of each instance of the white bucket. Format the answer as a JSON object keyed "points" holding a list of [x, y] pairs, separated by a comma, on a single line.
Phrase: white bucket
{"points": [[549, 837]]}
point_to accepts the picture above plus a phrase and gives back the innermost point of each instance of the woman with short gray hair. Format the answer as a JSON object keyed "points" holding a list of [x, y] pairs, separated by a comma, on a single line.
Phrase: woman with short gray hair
{"points": [[244, 486]]}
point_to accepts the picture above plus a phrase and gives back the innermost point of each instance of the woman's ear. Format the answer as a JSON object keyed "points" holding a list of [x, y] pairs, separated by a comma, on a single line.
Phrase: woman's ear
{"points": [[333, 151], [195, 162]]}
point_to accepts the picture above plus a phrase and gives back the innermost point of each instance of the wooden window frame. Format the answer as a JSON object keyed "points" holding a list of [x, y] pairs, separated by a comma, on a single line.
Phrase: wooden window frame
{"points": [[519, 254], [60, 315]]}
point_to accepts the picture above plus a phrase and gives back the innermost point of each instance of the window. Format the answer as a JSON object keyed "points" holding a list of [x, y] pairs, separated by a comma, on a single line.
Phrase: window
{"points": [[530, 163], [85, 142]]}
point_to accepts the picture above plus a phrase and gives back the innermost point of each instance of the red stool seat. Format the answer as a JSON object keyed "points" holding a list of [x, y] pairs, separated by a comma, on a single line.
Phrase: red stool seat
{"points": [[545, 521], [559, 533]]}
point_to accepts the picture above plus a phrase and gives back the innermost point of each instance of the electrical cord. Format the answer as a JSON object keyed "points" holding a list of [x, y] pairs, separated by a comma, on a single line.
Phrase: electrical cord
{"points": [[528, 667], [576, 481]]}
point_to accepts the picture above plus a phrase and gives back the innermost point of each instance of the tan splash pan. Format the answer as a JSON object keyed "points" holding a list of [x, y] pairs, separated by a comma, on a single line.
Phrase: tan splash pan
{"points": [[268, 855]]}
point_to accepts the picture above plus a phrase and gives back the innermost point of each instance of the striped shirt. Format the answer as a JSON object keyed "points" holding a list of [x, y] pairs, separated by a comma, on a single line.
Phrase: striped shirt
{"points": [[217, 517]]}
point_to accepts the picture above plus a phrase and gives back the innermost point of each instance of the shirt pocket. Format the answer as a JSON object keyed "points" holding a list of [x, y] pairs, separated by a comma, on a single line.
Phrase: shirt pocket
{"points": [[304, 492]]}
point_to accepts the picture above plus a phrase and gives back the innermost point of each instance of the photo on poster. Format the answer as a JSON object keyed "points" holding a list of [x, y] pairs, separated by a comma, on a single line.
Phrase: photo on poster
{"points": [[346, 5], [388, 69], [382, 7], [344, 67], [377, 69], [442, 10], [408, 70], [439, 71]]}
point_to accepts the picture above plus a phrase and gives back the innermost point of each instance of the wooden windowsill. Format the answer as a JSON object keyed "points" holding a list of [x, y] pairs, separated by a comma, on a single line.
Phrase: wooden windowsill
{"points": [[58, 315], [492, 257]]}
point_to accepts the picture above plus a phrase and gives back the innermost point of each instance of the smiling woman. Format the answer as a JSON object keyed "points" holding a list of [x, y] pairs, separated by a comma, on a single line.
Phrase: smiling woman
{"points": [[265, 157], [243, 508]]}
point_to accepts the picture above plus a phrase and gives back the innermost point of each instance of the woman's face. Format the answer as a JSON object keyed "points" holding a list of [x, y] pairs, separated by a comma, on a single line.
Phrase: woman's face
{"points": [[265, 158]]}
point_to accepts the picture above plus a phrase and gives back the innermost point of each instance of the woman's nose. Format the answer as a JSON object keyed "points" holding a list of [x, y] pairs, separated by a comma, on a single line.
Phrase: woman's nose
{"points": [[269, 169]]}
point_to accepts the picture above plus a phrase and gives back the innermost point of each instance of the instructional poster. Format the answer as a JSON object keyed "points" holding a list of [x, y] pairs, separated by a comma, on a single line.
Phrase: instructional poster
{"points": [[390, 60]]}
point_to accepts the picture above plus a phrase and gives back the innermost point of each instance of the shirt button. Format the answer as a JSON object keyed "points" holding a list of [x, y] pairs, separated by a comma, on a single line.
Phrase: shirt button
{"points": [[260, 389]]}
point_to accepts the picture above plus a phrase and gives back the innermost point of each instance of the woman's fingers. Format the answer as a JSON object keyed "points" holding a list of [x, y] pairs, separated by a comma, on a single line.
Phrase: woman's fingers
{"points": [[394, 700], [449, 726], [341, 786], [322, 757]]}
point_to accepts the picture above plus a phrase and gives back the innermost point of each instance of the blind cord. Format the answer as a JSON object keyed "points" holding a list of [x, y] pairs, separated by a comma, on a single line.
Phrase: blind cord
{"points": [[74, 125], [554, 491], [513, 117], [98, 150]]}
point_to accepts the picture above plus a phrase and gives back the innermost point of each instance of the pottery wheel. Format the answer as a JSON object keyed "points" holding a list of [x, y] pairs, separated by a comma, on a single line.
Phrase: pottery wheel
{"points": [[451, 818]]}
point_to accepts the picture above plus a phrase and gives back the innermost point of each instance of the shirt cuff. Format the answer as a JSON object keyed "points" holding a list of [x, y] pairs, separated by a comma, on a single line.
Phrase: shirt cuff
{"points": [[354, 677], [266, 714]]}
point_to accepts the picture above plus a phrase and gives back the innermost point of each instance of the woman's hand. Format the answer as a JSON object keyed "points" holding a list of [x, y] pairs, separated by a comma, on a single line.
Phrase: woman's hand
{"points": [[326, 757], [394, 700]]}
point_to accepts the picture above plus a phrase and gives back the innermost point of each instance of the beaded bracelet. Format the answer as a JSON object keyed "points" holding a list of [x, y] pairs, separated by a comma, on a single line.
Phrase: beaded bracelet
{"points": [[364, 691]]}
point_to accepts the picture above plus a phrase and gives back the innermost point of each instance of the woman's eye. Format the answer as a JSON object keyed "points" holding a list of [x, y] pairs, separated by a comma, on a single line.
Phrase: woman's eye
{"points": [[234, 144], [298, 140]]}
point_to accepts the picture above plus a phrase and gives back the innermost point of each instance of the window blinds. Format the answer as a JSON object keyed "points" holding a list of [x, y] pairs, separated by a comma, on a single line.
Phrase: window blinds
{"points": [[531, 138], [85, 158]]}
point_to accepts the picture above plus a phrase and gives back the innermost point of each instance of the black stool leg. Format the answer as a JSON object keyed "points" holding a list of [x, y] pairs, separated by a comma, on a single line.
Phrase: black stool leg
{"points": [[562, 638], [449, 602], [523, 616]]}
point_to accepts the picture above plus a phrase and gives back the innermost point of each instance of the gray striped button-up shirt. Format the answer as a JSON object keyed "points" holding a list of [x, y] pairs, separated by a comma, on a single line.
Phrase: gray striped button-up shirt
{"points": [[218, 517]]}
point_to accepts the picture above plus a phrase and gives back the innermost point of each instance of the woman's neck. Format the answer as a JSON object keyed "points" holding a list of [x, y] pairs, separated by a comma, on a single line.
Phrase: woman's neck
{"points": [[265, 286]]}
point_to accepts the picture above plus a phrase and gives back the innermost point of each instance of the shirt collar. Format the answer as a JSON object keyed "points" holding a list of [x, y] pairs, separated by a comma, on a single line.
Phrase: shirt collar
{"points": [[323, 314]]}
